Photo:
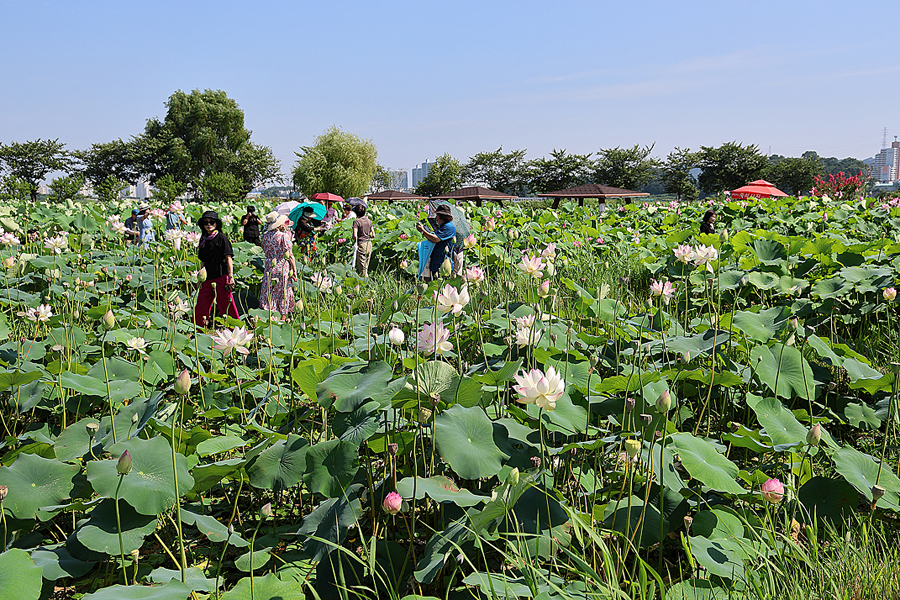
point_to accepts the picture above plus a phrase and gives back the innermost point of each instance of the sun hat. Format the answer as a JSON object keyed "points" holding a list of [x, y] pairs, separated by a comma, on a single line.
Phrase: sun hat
{"points": [[278, 222], [444, 209], [144, 206], [212, 215]]}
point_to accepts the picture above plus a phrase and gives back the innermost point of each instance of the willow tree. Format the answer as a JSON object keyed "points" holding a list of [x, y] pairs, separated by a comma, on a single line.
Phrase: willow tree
{"points": [[339, 162]]}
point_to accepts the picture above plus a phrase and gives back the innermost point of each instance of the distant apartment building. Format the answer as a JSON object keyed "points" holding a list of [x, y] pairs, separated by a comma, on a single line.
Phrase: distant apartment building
{"points": [[143, 190], [887, 163], [399, 180], [421, 172]]}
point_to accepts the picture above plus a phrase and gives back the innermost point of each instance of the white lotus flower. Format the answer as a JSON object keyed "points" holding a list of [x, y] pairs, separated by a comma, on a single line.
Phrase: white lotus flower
{"points": [[527, 336], [40, 314], [433, 339], [57, 244], [396, 336], [451, 300], [137, 343], [704, 255], [542, 389], [549, 252], [192, 237], [117, 227], [474, 275], [8, 239], [684, 253], [322, 282], [533, 265], [179, 307], [232, 339]]}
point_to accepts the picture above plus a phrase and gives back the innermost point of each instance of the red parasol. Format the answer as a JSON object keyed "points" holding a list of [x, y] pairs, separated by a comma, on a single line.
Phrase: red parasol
{"points": [[327, 197], [757, 189]]}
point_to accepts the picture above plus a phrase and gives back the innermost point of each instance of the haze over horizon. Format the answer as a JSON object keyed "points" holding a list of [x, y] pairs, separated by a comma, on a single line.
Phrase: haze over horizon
{"points": [[421, 79]]}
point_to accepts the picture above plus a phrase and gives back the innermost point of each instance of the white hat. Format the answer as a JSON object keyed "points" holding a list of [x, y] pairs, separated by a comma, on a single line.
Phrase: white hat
{"points": [[276, 222]]}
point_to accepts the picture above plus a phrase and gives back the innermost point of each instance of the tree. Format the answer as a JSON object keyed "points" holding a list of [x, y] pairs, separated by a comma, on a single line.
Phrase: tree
{"points": [[222, 187], [626, 168], [796, 176], [14, 188], [381, 180], [559, 172], [498, 171], [116, 158], [203, 133], [32, 161], [110, 188], [445, 175], [729, 166], [339, 162], [167, 190], [676, 173], [66, 188]]}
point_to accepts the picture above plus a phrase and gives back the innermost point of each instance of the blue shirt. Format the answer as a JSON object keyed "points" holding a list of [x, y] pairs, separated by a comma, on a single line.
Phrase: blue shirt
{"points": [[147, 231], [447, 234]]}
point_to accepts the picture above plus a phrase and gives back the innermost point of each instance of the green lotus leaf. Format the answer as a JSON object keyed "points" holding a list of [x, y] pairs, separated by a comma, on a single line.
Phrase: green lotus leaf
{"points": [[784, 371], [769, 252], [439, 489], [150, 486], [352, 384], [780, 424], [20, 578], [862, 416], [265, 588], [836, 287], [831, 500], [57, 563], [639, 522], [431, 378], [721, 557], [330, 467], [761, 326], [698, 589], [705, 464], [17, 378], [220, 444], [34, 482], [281, 465], [763, 279], [359, 425], [260, 556], [862, 471], [100, 531], [208, 475], [464, 439], [212, 528], [193, 578], [325, 528], [174, 590], [74, 442]]}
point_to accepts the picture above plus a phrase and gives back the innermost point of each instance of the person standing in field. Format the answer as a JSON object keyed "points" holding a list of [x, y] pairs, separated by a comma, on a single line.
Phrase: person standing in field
{"points": [[145, 225], [709, 222], [250, 222], [442, 239], [363, 233], [132, 232], [280, 269], [175, 217], [217, 260]]}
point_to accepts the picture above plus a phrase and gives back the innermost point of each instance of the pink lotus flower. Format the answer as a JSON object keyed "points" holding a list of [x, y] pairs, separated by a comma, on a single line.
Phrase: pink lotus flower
{"points": [[490, 224], [684, 253], [393, 502], [433, 339], [533, 265], [341, 240], [451, 300], [621, 209], [890, 294], [705, 255], [542, 389], [474, 275], [662, 288], [550, 251], [544, 289], [403, 236], [577, 243], [470, 241], [404, 264], [773, 491]]}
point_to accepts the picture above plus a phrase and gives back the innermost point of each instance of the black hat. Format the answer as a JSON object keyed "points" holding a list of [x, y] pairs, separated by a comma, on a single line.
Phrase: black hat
{"points": [[444, 209], [213, 215]]}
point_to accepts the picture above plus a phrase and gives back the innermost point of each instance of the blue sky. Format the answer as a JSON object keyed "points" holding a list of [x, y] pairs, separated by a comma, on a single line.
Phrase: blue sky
{"points": [[424, 78]]}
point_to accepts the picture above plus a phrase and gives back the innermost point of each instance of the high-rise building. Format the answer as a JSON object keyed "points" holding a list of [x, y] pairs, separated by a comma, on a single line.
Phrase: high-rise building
{"points": [[421, 172], [399, 180], [887, 163], [142, 189]]}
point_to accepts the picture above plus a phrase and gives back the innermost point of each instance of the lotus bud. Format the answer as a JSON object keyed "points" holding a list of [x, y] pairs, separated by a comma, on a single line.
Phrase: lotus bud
{"points": [[513, 234], [794, 323], [129, 277], [9, 263], [536, 462], [688, 521], [393, 448], [814, 436], [230, 530], [470, 241], [550, 269], [629, 404], [509, 285], [125, 463], [298, 305], [201, 275], [396, 336], [664, 402], [544, 289], [183, 382], [404, 264], [632, 447], [553, 337], [446, 268], [266, 511], [890, 294], [135, 418], [773, 490], [877, 494], [92, 429], [339, 290], [514, 476], [135, 554], [109, 320], [3, 492], [393, 502]]}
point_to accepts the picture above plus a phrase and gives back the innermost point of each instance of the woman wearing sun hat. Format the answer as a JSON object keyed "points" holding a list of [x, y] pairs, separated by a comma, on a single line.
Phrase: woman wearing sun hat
{"points": [[145, 224], [175, 216], [280, 268], [216, 258]]}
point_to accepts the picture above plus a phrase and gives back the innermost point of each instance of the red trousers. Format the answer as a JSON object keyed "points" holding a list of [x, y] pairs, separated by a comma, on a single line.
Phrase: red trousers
{"points": [[224, 301]]}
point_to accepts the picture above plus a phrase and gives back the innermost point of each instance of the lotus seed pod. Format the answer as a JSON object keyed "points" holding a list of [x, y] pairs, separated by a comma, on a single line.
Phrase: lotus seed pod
{"points": [[647, 419], [92, 429], [183, 382], [688, 521], [3, 492], [664, 402], [877, 493], [393, 448], [629, 404], [509, 285], [536, 462], [125, 463], [421, 288], [814, 436], [424, 415], [632, 447]]}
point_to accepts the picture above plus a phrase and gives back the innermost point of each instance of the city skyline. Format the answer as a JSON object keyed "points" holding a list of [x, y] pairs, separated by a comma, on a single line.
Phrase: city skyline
{"points": [[478, 77]]}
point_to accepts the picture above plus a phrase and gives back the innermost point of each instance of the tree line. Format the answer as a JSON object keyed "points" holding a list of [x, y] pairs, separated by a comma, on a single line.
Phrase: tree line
{"points": [[202, 148]]}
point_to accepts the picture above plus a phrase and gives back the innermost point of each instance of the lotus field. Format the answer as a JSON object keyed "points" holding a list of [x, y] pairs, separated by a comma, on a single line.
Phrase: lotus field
{"points": [[606, 405]]}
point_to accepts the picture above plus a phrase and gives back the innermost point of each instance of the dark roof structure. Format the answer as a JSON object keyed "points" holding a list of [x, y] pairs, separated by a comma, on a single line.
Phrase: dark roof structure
{"points": [[592, 190], [391, 195], [476, 193]]}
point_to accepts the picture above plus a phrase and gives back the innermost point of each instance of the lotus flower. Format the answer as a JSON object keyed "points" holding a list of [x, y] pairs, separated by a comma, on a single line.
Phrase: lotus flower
{"points": [[322, 282], [57, 244], [9, 262], [474, 275], [192, 237], [684, 253], [393, 502], [533, 265], [404, 264], [179, 307], [396, 336], [470, 241], [704, 255], [433, 339], [527, 336], [446, 268], [8, 239], [451, 300], [542, 389], [549, 252], [490, 224], [266, 511], [544, 289], [665, 289], [773, 491], [123, 467], [232, 339], [890, 294], [137, 343], [183, 382]]}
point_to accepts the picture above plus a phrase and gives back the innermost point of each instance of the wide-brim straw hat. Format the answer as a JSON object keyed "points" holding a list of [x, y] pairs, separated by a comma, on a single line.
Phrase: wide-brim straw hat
{"points": [[278, 222], [144, 206]]}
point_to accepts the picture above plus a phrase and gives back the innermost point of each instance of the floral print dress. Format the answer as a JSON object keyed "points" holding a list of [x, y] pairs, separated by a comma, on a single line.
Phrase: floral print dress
{"points": [[277, 293]]}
